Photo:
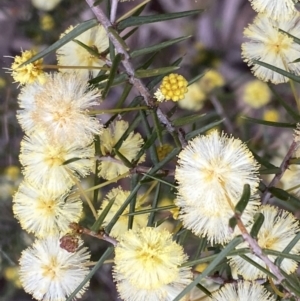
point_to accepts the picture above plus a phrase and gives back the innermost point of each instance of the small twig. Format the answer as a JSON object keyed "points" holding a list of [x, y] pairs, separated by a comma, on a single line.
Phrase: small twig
{"points": [[222, 113], [113, 11], [283, 167], [100, 234], [137, 83], [83, 193], [257, 250], [138, 169]]}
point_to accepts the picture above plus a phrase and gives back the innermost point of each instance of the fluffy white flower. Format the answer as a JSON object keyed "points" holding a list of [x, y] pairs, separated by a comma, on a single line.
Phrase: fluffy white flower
{"points": [[50, 273], [73, 54], [43, 159], [242, 291], [45, 212], [275, 9], [267, 44], [120, 196], [147, 266], [129, 149], [278, 230], [211, 173], [60, 108]]}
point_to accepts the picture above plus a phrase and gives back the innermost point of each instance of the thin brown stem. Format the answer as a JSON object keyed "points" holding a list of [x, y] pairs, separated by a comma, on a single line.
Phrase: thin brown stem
{"points": [[137, 83], [100, 234], [257, 250], [283, 167]]}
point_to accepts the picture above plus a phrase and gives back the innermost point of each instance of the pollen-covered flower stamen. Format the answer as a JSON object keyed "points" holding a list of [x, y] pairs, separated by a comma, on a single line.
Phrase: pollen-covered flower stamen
{"points": [[173, 87]]}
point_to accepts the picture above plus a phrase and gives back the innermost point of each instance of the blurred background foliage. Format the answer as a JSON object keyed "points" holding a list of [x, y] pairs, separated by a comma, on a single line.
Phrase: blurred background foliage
{"points": [[226, 92]]}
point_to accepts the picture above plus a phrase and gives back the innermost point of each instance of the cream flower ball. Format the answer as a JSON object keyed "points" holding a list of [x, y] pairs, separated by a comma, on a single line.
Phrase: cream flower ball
{"points": [[73, 54], [269, 45], [147, 266], [60, 107], [242, 291], [278, 230], [275, 9], [43, 162], [50, 273], [119, 195], [211, 173], [129, 149], [44, 212]]}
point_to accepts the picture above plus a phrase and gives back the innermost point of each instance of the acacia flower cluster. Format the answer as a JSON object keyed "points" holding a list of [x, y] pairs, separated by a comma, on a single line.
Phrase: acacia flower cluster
{"points": [[218, 166], [55, 117], [147, 266], [131, 145], [119, 196], [56, 152], [267, 43], [75, 55], [278, 230], [211, 173]]}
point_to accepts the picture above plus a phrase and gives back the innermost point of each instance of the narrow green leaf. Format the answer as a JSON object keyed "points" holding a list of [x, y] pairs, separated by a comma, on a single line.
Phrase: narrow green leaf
{"points": [[100, 262], [232, 223], [292, 283], [163, 162], [220, 256], [296, 40], [148, 62], [90, 50], [157, 47], [282, 254], [259, 219], [119, 79], [129, 33], [141, 20], [96, 226], [152, 148], [136, 11], [98, 79], [203, 129], [204, 290], [135, 122], [123, 207], [196, 78], [125, 161], [201, 247], [64, 40], [160, 180], [258, 266], [290, 110], [244, 200], [71, 161], [292, 288], [144, 73], [278, 70], [283, 195], [269, 123], [158, 126], [268, 171], [133, 183], [117, 37], [288, 249], [187, 119], [146, 211], [113, 72], [294, 161], [263, 161], [154, 205], [112, 52], [209, 258]]}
